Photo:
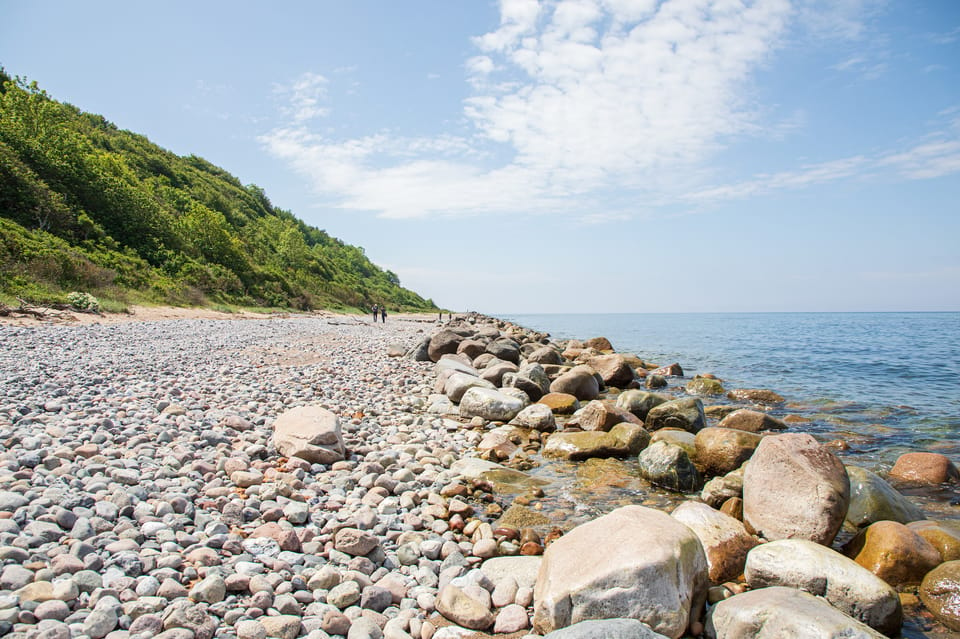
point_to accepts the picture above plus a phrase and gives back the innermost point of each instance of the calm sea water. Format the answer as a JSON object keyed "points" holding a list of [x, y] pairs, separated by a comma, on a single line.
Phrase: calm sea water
{"points": [[885, 382]]}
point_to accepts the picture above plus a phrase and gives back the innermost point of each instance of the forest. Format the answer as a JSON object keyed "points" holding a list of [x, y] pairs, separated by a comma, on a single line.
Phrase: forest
{"points": [[86, 206]]}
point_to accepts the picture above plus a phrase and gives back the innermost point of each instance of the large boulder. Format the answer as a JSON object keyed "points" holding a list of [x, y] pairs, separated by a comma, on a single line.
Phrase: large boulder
{"points": [[635, 562], [545, 355], [924, 468], [536, 417], [669, 467], [751, 421], [492, 405], [311, 433], [496, 369], [893, 552], [531, 379], [639, 402], [622, 440], [604, 415], [443, 343], [613, 369], [725, 540], [872, 499], [795, 488], [822, 571], [579, 381], [685, 414], [720, 450], [607, 629], [472, 348], [940, 593], [505, 349], [777, 612], [454, 364], [459, 383]]}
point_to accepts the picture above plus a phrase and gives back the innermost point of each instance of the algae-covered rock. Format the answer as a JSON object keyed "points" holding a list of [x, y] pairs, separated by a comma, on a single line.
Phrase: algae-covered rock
{"points": [[705, 386], [685, 414], [872, 499], [669, 467]]}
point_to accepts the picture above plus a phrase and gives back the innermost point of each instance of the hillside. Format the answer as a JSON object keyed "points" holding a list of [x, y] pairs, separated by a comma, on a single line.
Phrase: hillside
{"points": [[85, 206]]}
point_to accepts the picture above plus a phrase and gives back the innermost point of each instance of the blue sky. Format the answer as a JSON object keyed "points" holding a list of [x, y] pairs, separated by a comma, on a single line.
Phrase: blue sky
{"points": [[571, 156]]}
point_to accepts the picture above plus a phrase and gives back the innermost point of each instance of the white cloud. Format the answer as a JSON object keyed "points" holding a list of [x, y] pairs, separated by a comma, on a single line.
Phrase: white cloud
{"points": [[305, 96]]}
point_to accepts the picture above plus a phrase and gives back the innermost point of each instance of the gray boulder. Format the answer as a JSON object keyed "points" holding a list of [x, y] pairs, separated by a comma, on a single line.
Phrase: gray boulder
{"points": [[669, 467], [685, 414], [492, 405], [607, 629], [872, 499], [639, 402]]}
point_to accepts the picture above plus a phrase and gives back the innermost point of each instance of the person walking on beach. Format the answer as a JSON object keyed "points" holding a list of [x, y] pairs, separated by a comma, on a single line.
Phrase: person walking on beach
{"points": [[383, 314], [376, 309]]}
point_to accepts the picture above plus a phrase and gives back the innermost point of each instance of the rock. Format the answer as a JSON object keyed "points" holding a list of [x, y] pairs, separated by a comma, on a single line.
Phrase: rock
{"points": [[472, 348], [311, 433], [506, 349], [443, 343], [639, 402], [613, 370], [755, 396], [724, 539], [491, 405], [782, 612], [655, 381], [344, 594], [940, 593], [794, 488], [449, 364], [942, 535], [669, 467], [511, 618], [598, 343], [531, 379], [751, 421], [211, 590], [631, 438], [281, 626], [622, 440], [872, 500], [604, 415], [684, 414], [821, 571], [924, 468], [355, 542], [560, 403], [537, 417], [606, 629], [893, 552], [683, 439], [719, 489], [500, 441], [522, 570], [658, 574], [250, 629], [721, 450], [459, 383], [705, 386], [494, 372], [673, 370], [579, 381], [467, 606], [545, 355]]}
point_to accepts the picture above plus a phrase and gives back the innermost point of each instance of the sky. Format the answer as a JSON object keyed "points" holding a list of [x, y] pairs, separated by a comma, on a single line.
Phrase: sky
{"points": [[571, 156]]}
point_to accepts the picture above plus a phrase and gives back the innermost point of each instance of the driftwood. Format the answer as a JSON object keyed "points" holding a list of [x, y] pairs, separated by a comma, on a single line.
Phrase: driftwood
{"points": [[52, 311]]}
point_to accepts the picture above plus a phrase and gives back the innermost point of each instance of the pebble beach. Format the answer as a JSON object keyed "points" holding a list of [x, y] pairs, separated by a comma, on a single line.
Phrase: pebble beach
{"points": [[331, 477]]}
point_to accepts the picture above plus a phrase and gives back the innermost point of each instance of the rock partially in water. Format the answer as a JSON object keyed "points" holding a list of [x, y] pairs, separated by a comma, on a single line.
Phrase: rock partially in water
{"points": [[893, 552], [705, 386], [751, 421], [721, 450], [685, 414], [942, 535], [604, 415], [669, 467], [872, 500], [940, 593], [639, 402], [924, 468], [755, 396]]}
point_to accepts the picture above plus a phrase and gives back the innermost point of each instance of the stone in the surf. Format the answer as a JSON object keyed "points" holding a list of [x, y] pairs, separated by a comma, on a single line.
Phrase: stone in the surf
{"points": [[606, 628], [659, 569], [537, 417], [685, 414], [579, 381], [560, 403], [599, 343], [755, 396], [752, 421], [492, 405], [458, 384], [498, 444], [795, 488], [613, 369], [671, 370], [872, 499], [604, 415], [940, 593], [725, 540], [721, 450], [942, 535], [924, 468], [669, 467], [639, 402], [893, 552], [683, 439], [705, 386], [443, 343], [782, 612], [655, 381], [822, 571], [622, 440], [311, 433]]}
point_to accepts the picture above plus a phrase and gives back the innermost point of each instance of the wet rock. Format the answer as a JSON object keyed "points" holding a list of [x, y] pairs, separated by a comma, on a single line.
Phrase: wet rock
{"points": [[751, 421], [821, 571], [669, 467], [940, 593], [684, 414], [755, 396], [672, 370], [536, 417], [924, 468], [705, 386], [942, 535], [782, 612], [893, 552], [604, 415], [613, 369], [795, 488], [725, 541], [659, 568], [639, 402], [311, 433], [598, 343], [721, 450], [560, 403], [579, 381], [872, 500]]}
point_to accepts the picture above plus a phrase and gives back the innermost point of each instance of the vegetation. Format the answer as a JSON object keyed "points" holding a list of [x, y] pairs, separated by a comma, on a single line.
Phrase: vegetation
{"points": [[87, 207]]}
